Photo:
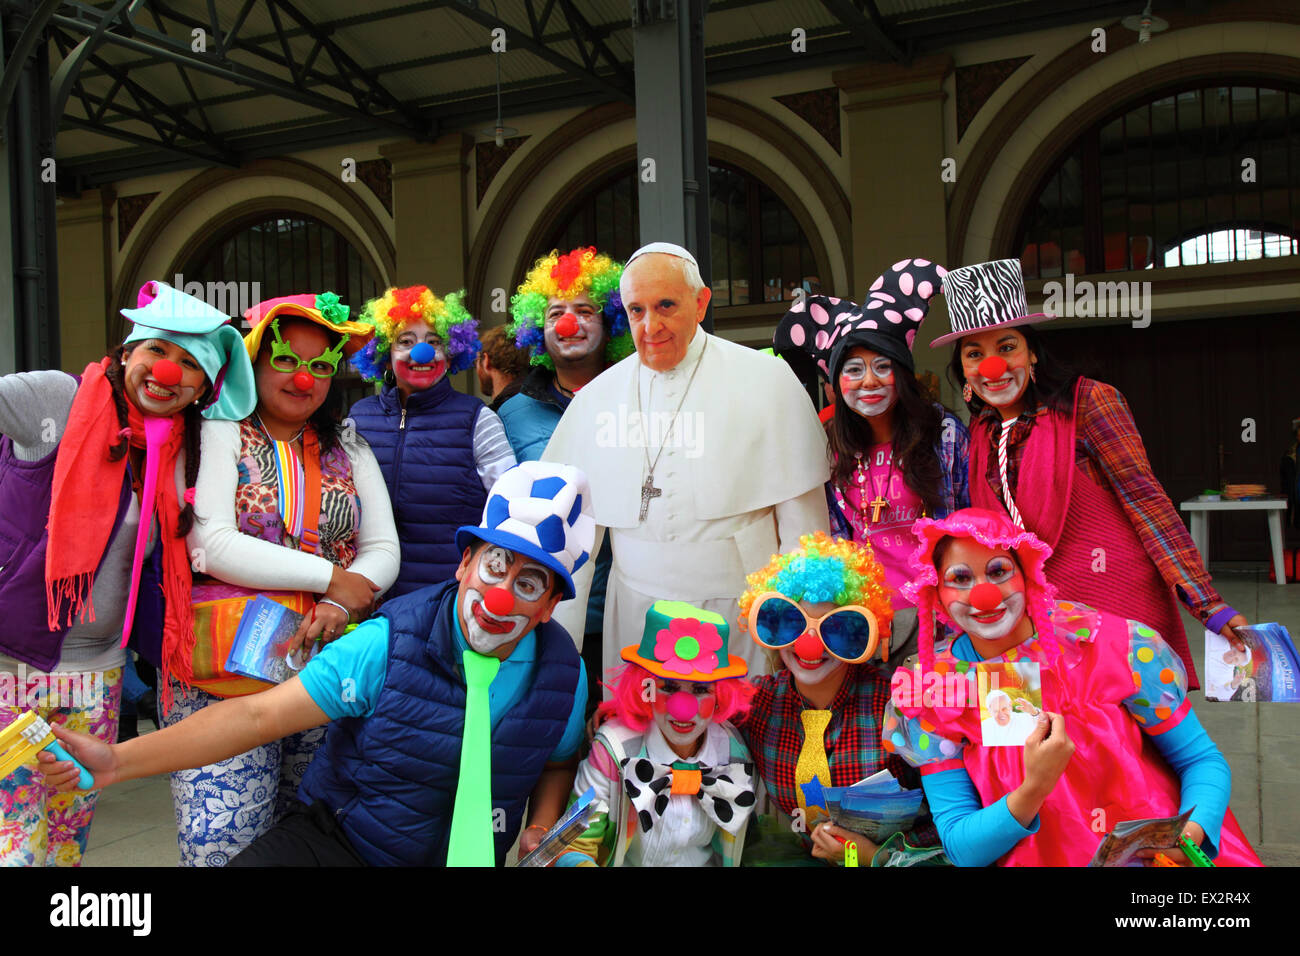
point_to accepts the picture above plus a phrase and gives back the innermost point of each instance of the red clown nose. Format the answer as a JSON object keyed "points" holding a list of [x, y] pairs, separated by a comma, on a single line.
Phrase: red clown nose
{"points": [[985, 597], [302, 381], [166, 372], [808, 646], [498, 601], [993, 367], [566, 325]]}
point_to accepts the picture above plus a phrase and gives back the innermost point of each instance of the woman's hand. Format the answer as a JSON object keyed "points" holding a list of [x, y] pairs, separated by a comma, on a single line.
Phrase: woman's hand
{"points": [[827, 847], [1047, 753], [326, 623], [95, 755], [529, 839], [353, 591]]}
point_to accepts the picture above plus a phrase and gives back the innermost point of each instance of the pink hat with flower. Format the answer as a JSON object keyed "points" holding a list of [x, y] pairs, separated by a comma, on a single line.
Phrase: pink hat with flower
{"points": [[682, 642], [993, 531]]}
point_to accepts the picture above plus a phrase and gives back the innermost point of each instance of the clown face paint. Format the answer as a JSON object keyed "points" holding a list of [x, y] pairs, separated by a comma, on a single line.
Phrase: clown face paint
{"points": [[574, 329], [866, 381], [983, 591], [503, 596], [996, 364], [682, 713], [161, 378], [807, 658], [418, 369]]}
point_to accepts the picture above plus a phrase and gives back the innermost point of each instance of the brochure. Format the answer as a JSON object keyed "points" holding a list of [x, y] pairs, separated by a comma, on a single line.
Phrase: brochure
{"points": [[1123, 842], [876, 807], [1266, 669], [567, 829], [262, 640]]}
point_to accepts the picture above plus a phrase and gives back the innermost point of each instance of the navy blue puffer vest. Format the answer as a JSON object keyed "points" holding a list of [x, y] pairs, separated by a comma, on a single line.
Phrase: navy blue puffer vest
{"points": [[426, 453], [390, 778]]}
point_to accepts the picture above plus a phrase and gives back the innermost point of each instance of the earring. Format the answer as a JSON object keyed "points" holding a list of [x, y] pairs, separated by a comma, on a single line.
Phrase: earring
{"points": [[1032, 376], [966, 393]]}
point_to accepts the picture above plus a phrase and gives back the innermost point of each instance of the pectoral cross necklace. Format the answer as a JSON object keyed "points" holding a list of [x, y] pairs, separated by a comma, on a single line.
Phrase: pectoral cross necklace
{"points": [[648, 489]]}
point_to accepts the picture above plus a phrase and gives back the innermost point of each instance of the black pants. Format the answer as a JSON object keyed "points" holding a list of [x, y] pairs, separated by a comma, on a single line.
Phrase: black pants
{"points": [[307, 836]]}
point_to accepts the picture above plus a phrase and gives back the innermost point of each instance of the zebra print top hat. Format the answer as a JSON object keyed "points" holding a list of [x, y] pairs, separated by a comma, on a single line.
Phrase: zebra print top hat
{"points": [[987, 295]]}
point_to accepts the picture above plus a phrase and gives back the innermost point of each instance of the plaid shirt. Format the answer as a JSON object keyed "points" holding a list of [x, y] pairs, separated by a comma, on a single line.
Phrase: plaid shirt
{"points": [[774, 731], [1109, 448]]}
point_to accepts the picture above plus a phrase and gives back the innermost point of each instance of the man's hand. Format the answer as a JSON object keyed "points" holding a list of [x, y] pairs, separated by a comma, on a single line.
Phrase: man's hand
{"points": [[827, 847], [530, 838], [1229, 631], [1026, 707], [95, 755]]}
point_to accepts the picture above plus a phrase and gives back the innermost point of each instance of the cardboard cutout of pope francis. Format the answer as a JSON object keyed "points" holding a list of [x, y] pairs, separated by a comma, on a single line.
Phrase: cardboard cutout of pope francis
{"points": [[705, 457]]}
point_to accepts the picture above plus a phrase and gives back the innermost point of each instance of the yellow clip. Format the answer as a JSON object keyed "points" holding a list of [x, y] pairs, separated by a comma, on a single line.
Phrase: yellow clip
{"points": [[16, 748], [850, 854]]}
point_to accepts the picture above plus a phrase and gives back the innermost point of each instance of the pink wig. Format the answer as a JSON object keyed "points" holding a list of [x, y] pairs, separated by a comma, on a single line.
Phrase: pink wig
{"points": [[630, 706], [992, 531]]}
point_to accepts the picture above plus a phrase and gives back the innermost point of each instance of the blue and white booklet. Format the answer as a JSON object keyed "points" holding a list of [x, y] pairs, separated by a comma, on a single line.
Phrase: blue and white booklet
{"points": [[262, 640], [1266, 669]]}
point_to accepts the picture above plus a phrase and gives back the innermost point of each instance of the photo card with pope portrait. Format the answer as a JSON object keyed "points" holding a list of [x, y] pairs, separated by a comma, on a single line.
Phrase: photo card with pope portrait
{"points": [[1010, 700]]}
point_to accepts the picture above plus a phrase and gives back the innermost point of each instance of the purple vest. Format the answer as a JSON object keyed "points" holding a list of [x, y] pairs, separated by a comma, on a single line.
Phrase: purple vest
{"points": [[25, 488]]}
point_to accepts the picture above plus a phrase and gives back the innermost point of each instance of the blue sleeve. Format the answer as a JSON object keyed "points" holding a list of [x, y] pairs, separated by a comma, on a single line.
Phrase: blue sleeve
{"points": [[576, 728], [961, 467], [1205, 775], [972, 834], [345, 678]]}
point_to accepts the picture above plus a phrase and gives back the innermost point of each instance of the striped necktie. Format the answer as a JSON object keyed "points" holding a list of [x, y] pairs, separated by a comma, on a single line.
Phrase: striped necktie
{"points": [[471, 841]]}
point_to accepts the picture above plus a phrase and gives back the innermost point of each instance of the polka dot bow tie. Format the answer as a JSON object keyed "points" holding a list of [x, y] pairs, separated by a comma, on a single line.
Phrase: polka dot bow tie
{"points": [[726, 793]]}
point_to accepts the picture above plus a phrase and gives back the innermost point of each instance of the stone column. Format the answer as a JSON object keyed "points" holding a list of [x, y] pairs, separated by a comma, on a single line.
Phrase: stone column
{"points": [[429, 211], [84, 227], [895, 145]]}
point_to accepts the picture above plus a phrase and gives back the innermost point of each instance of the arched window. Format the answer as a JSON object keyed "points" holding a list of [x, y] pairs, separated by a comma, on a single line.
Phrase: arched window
{"points": [[286, 253], [758, 251], [1204, 173]]}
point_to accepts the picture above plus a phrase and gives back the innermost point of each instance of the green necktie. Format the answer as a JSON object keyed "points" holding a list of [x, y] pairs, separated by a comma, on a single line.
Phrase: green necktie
{"points": [[471, 821]]}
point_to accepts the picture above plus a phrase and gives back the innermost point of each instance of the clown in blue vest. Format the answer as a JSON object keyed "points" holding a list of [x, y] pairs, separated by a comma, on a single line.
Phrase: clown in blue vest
{"points": [[451, 709]]}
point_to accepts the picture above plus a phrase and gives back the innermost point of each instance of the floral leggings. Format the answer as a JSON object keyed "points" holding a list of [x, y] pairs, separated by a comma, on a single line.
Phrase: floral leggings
{"points": [[38, 825], [223, 807]]}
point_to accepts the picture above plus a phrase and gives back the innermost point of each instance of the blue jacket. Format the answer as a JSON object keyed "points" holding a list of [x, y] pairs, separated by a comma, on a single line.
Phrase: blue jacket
{"points": [[426, 453], [390, 778], [530, 417]]}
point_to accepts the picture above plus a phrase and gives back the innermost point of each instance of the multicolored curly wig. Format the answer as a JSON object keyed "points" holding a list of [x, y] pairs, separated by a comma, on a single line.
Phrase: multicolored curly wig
{"points": [[823, 568], [397, 308], [580, 272], [629, 705]]}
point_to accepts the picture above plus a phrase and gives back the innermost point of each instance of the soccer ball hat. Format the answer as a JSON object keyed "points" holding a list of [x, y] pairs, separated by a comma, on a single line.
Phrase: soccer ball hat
{"points": [[542, 510]]}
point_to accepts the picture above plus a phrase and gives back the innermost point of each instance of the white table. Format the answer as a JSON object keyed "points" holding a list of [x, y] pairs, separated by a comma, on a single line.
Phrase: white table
{"points": [[1201, 525]]}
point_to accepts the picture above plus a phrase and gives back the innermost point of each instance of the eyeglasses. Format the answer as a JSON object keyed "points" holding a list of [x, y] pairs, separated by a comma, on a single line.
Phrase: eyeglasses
{"points": [[285, 359], [855, 369], [850, 633]]}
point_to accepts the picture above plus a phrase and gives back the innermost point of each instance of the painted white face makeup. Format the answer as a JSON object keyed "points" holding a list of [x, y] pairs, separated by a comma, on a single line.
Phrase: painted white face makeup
{"points": [[997, 622], [485, 631], [1003, 390], [426, 373], [996, 365], [875, 399], [674, 701]]}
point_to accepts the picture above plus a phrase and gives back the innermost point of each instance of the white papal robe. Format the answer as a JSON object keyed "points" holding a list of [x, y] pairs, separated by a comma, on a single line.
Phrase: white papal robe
{"points": [[741, 477]]}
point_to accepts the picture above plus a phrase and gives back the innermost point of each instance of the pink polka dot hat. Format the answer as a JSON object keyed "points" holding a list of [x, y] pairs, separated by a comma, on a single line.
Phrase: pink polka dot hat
{"points": [[815, 335]]}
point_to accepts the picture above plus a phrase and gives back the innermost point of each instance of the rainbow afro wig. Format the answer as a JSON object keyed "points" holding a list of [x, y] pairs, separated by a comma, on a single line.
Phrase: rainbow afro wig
{"points": [[580, 272], [398, 308], [824, 569]]}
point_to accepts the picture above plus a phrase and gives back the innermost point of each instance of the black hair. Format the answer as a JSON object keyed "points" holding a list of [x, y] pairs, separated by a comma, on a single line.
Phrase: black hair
{"points": [[327, 420], [1053, 382], [193, 422], [917, 429]]}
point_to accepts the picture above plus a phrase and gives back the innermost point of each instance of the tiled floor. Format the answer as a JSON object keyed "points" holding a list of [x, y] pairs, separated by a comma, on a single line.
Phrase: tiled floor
{"points": [[134, 825]]}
